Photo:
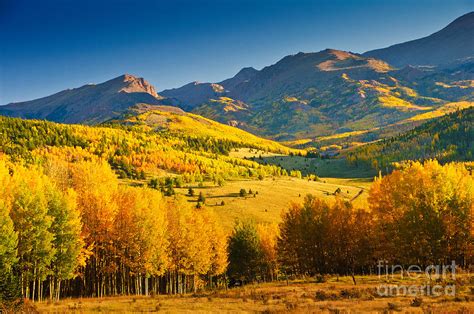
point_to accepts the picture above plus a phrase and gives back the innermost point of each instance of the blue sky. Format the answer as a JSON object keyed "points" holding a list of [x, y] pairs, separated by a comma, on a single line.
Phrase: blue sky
{"points": [[50, 45]]}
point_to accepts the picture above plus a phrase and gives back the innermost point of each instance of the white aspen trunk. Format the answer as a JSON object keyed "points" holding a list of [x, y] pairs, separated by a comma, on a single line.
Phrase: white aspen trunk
{"points": [[146, 285], [34, 285]]}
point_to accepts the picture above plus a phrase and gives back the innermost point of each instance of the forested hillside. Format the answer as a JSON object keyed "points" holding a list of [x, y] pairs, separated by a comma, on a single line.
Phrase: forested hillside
{"points": [[137, 152], [179, 122], [448, 138]]}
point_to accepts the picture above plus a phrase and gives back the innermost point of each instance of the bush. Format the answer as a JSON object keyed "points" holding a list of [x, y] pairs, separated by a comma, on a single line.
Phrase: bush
{"points": [[351, 293], [243, 193], [320, 278], [417, 302], [393, 306], [9, 287], [323, 296], [169, 191]]}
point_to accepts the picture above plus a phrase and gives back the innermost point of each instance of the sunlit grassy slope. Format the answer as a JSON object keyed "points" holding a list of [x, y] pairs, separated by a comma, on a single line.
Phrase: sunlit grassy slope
{"points": [[272, 196], [132, 150]]}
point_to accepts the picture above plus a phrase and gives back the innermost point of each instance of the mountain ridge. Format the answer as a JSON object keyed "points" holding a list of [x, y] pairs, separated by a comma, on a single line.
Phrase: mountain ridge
{"points": [[433, 49], [90, 103]]}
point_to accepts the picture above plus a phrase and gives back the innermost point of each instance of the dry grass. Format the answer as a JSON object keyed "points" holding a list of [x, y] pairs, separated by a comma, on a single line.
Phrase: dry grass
{"points": [[271, 196], [337, 295], [274, 196]]}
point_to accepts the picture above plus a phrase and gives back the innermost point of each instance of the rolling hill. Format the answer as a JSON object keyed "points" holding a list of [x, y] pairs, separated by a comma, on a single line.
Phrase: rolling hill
{"points": [[137, 150], [180, 123]]}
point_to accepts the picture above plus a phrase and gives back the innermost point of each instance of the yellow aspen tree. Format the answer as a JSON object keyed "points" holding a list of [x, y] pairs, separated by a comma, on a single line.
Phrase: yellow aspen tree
{"points": [[68, 243], [425, 212], [96, 185], [218, 241], [30, 216]]}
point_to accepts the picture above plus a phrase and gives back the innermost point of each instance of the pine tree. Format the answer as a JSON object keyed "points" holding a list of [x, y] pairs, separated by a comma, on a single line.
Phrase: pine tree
{"points": [[245, 254], [201, 198]]}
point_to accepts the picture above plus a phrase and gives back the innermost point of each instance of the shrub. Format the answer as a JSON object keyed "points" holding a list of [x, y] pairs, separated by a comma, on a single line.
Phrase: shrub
{"points": [[320, 278], [393, 306], [201, 198], [417, 302]]}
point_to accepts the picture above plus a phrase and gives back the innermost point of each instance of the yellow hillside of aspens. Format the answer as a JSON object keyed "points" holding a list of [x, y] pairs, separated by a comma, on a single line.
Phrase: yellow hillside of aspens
{"points": [[297, 142], [445, 109], [459, 84], [400, 104], [230, 104], [188, 123], [341, 135]]}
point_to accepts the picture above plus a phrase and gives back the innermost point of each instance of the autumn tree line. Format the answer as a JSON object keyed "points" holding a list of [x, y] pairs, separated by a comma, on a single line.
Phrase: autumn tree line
{"points": [[419, 215], [70, 229]]}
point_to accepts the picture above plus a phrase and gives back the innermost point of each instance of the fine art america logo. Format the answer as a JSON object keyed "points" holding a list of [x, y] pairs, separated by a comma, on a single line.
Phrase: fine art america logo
{"points": [[433, 280]]}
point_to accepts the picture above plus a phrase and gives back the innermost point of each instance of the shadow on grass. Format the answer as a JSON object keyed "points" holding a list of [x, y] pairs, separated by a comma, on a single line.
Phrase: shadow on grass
{"points": [[333, 168]]}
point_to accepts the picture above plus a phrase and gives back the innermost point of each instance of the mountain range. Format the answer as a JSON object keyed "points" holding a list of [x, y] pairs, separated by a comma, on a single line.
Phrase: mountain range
{"points": [[302, 96]]}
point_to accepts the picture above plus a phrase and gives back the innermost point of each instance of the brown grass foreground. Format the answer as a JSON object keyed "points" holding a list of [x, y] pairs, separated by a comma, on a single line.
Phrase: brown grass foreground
{"points": [[336, 295]]}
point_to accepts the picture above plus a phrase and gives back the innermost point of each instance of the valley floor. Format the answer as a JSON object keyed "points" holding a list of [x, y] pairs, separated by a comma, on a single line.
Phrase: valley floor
{"points": [[274, 196], [337, 295]]}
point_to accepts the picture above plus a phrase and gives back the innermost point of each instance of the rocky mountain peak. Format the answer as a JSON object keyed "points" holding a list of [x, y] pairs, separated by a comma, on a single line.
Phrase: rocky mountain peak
{"points": [[134, 84]]}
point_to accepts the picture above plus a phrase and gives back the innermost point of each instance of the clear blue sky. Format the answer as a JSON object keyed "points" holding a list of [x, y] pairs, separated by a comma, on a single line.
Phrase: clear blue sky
{"points": [[50, 45]]}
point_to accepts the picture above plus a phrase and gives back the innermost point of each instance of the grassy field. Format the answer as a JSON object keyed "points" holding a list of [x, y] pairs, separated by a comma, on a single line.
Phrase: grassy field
{"points": [[332, 168], [336, 295], [274, 196]]}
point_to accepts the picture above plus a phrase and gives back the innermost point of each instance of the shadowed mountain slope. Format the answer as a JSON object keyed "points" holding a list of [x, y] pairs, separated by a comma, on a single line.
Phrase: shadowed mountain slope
{"points": [[453, 43], [92, 103]]}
